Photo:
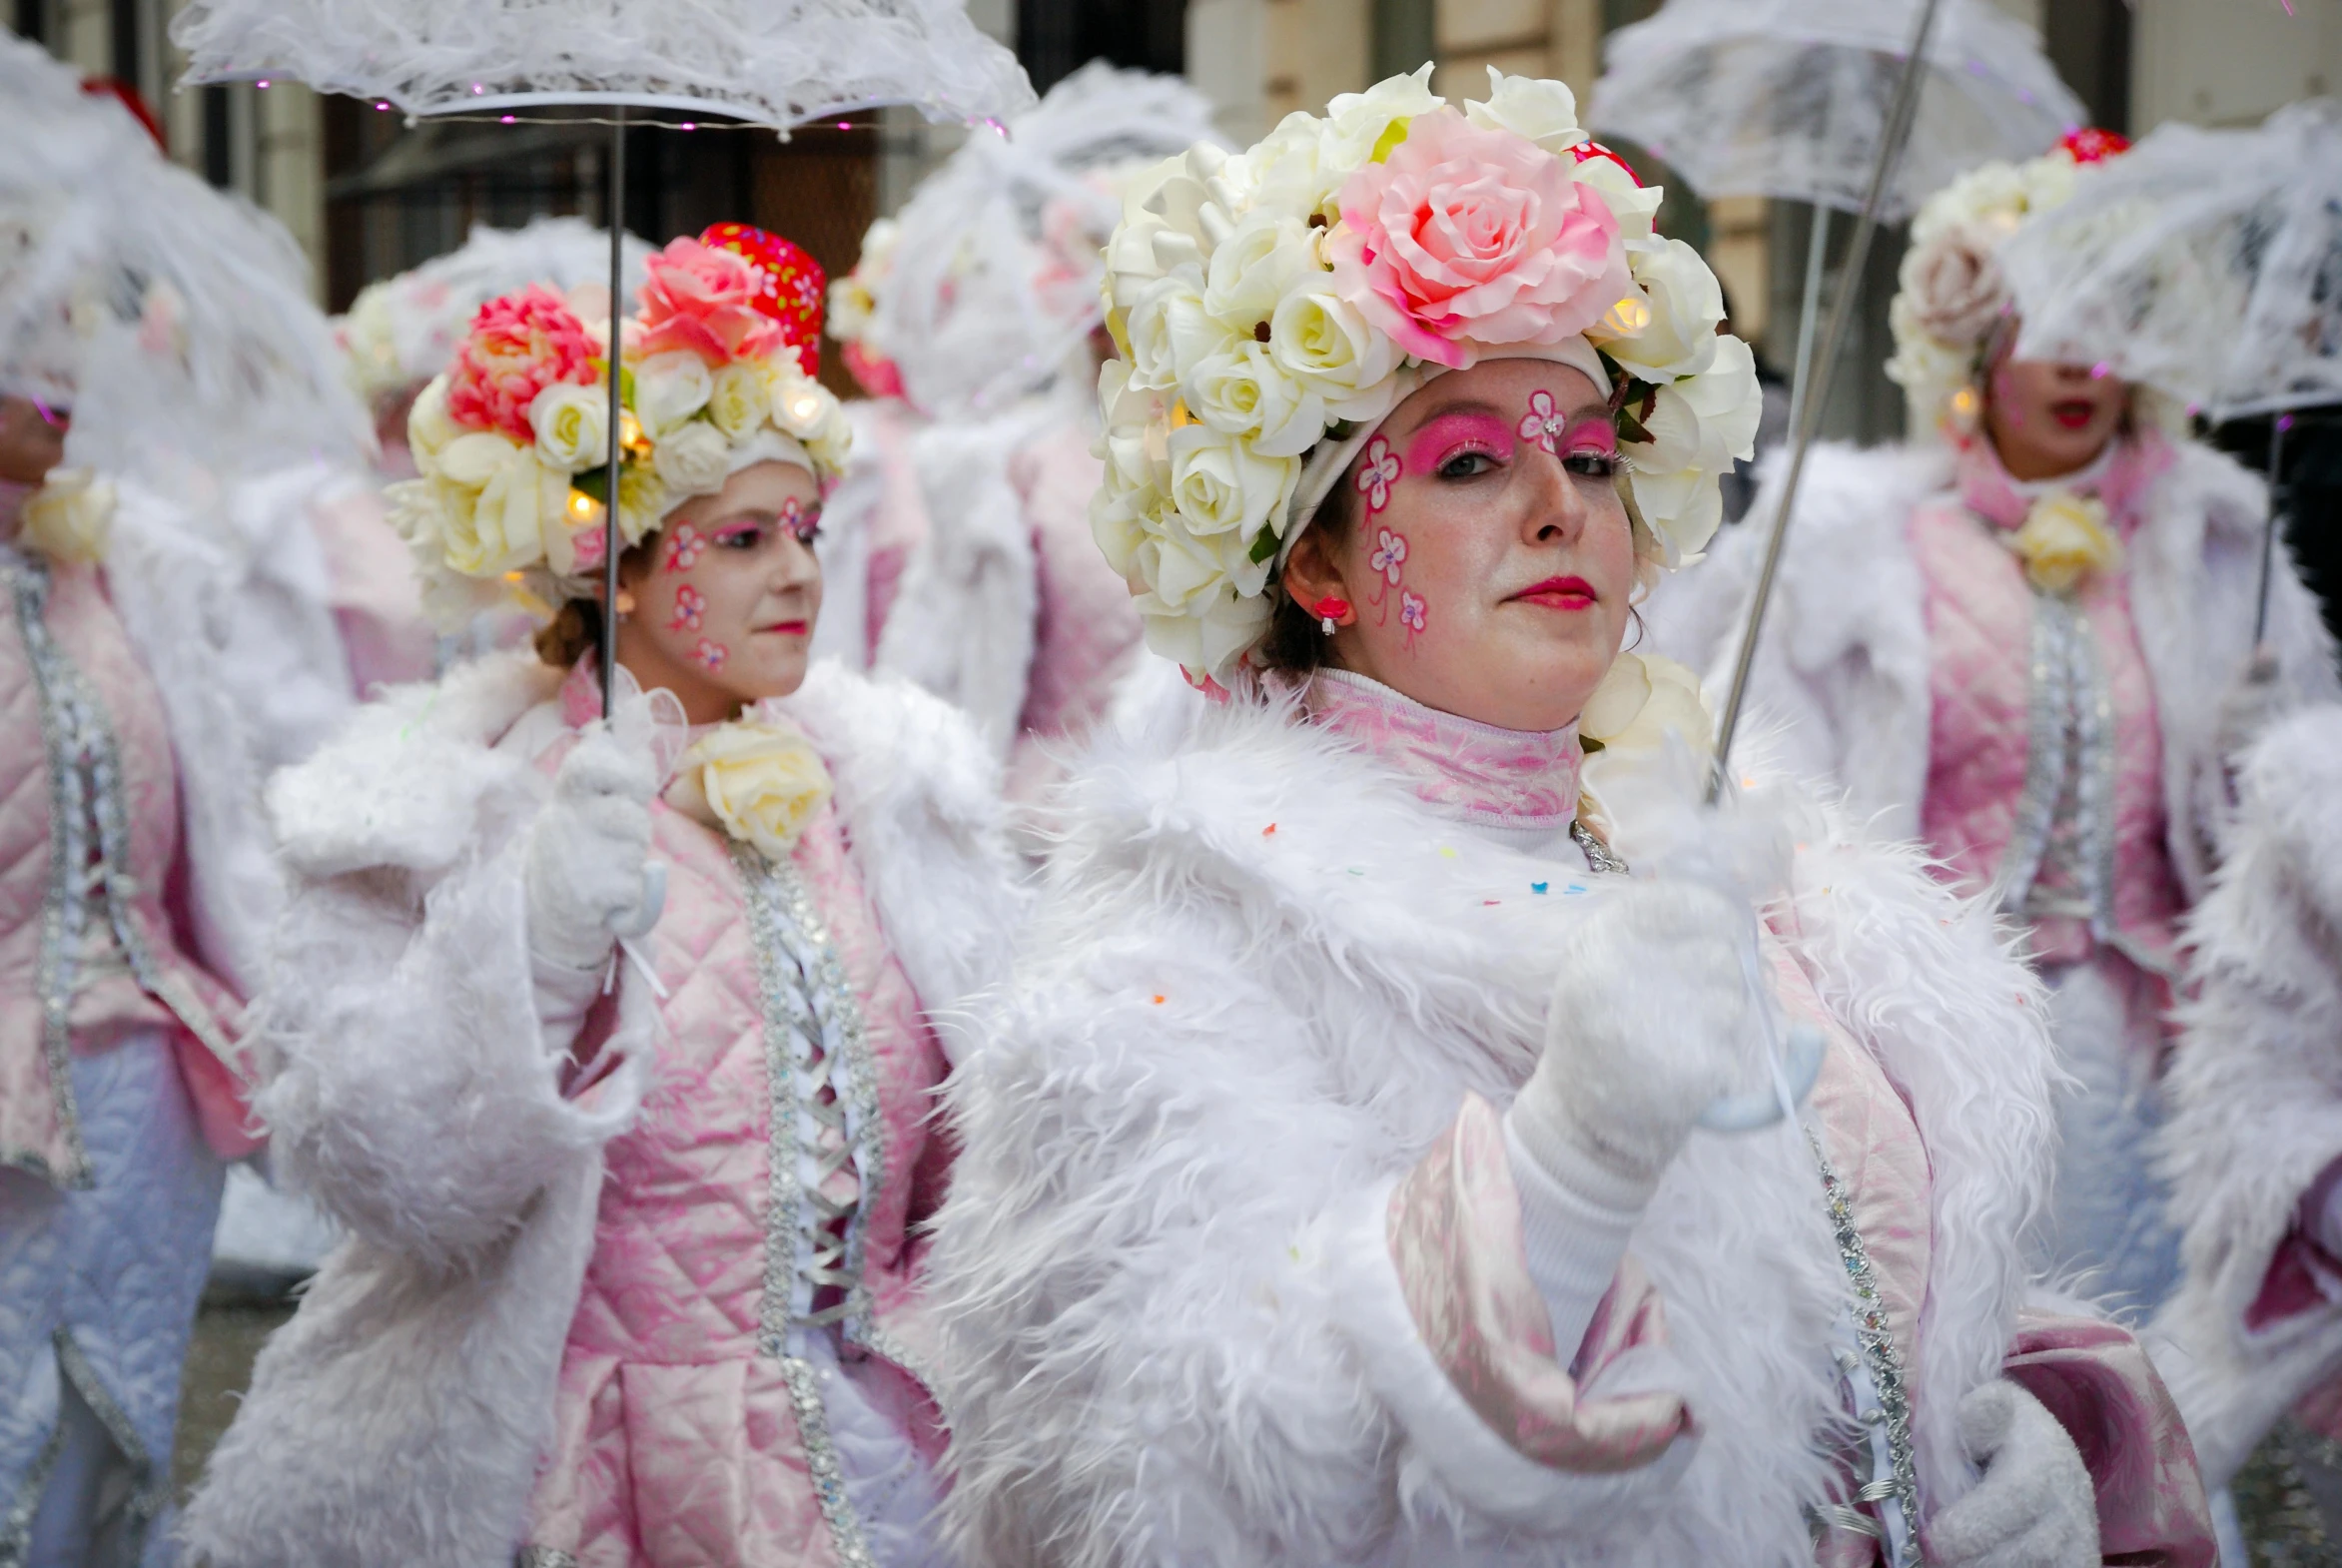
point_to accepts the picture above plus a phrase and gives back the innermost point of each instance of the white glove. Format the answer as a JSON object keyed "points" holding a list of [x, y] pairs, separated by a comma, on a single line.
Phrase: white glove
{"points": [[1650, 1012], [586, 878], [2035, 1507]]}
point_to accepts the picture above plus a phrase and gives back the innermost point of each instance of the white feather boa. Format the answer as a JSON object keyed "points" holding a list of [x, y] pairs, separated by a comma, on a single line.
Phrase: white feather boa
{"points": [[1258, 982]]}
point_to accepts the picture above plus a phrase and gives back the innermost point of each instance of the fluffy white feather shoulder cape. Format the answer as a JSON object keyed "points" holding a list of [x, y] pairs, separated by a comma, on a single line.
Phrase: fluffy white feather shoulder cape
{"points": [[1261, 978]]}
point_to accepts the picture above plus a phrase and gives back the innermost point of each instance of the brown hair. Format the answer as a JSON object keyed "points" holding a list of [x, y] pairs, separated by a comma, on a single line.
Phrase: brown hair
{"points": [[576, 627]]}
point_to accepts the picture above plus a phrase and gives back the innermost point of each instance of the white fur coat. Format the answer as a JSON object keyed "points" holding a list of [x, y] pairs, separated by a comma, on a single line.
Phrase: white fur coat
{"points": [[2256, 1093], [398, 1419], [1843, 668], [1261, 978]]}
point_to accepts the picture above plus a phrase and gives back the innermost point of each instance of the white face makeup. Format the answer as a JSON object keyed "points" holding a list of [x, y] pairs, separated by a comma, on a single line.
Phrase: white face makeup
{"points": [[723, 608], [1489, 562], [2049, 420]]}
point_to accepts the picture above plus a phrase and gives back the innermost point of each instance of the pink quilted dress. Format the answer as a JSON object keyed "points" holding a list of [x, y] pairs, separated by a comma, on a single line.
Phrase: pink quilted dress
{"points": [[740, 1383]]}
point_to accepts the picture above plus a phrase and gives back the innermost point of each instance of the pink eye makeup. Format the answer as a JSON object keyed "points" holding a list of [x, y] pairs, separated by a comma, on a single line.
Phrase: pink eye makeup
{"points": [[1451, 435], [744, 535], [1591, 435]]}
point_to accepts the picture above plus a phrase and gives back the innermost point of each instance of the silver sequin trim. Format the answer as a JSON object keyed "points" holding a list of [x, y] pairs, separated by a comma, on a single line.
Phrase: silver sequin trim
{"points": [[1886, 1425], [85, 791], [1599, 859], [543, 1557], [821, 1458], [153, 1481], [813, 1029], [17, 1533]]}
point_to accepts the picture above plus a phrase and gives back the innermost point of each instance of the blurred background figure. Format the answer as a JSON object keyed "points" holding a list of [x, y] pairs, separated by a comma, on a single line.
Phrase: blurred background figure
{"points": [[986, 316], [169, 396]]}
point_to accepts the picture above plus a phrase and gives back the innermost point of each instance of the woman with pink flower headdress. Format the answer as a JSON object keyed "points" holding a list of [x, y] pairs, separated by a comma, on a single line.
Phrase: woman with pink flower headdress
{"points": [[2026, 640], [979, 303], [1362, 1165], [613, 1044]]}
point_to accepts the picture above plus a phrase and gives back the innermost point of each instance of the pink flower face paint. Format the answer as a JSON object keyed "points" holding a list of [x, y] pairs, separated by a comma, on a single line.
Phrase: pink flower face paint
{"points": [[800, 522], [684, 548], [711, 655], [690, 609], [1390, 554], [1412, 613], [1378, 473]]}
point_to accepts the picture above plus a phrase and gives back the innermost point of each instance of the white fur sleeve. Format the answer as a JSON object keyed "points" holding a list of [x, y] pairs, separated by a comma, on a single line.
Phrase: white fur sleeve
{"points": [[2255, 1090], [1175, 1335], [405, 1081]]}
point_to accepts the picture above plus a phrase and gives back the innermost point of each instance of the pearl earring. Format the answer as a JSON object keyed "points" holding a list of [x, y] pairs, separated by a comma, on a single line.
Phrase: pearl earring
{"points": [[625, 603]]}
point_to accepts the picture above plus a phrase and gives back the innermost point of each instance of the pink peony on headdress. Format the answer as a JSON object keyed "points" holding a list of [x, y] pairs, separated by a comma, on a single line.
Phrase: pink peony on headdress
{"points": [[1467, 235], [518, 345]]}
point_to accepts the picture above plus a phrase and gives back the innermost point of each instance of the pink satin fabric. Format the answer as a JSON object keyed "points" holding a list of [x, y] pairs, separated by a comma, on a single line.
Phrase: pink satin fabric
{"points": [[1466, 771], [898, 525], [110, 1007], [1454, 1233], [2097, 1381], [1087, 632], [1980, 612], [675, 1442]]}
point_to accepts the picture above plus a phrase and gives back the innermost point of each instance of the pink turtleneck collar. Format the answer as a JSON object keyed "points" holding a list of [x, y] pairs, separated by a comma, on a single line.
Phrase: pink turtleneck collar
{"points": [[2120, 477], [1517, 780]]}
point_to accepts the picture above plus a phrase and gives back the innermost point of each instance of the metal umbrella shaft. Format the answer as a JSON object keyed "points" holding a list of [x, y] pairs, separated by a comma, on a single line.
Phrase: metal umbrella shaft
{"points": [[2269, 530], [611, 531], [1809, 311], [1898, 133]]}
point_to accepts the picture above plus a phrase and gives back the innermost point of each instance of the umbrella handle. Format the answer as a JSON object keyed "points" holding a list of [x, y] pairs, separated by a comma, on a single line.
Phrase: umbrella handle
{"points": [[610, 534]]}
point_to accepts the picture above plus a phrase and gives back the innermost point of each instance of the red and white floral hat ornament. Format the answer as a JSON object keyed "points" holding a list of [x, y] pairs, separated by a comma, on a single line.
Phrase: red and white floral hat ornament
{"points": [[511, 441], [1272, 309], [1951, 298]]}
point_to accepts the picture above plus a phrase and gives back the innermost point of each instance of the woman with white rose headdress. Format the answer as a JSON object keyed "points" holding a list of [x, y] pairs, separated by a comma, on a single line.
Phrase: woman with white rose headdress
{"points": [[1361, 1165], [633, 1273], [2025, 639]]}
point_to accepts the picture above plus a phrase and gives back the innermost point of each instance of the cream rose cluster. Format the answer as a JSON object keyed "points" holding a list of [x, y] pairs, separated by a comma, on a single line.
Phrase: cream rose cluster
{"points": [[1267, 302], [1949, 294], [512, 445]]}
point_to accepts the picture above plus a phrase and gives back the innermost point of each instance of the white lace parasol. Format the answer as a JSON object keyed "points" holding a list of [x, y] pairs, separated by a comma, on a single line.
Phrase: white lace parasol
{"points": [[995, 265], [775, 61], [1789, 98], [175, 320], [2206, 263]]}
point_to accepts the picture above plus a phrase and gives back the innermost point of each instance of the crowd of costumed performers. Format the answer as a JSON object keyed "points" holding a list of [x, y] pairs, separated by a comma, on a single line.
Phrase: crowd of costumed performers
{"points": [[181, 618], [2026, 640], [960, 543], [634, 1166], [1116, 956], [1361, 1162]]}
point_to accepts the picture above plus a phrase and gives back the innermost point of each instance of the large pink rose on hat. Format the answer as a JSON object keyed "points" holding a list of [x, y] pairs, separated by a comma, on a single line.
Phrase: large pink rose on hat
{"points": [[705, 299], [1469, 238]]}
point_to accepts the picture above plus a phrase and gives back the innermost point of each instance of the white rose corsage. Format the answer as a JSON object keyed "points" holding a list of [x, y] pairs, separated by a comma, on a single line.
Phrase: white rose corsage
{"points": [[69, 518], [2064, 540], [1644, 704], [759, 781]]}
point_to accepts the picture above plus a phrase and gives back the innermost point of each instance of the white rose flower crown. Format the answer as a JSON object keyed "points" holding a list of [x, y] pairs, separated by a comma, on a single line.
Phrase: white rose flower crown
{"points": [[1270, 309], [1950, 300], [512, 443]]}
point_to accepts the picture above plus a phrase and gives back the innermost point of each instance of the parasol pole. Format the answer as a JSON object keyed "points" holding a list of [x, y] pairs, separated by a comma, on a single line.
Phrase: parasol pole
{"points": [[2277, 422], [610, 534], [1809, 311], [1899, 120]]}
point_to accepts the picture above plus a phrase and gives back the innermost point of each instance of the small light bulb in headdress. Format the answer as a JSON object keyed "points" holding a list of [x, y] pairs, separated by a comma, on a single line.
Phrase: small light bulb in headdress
{"points": [[583, 508], [1628, 317]]}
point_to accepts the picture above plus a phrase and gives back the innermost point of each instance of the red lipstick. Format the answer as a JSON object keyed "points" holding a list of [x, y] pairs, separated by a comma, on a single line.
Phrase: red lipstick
{"points": [[785, 628], [1560, 593], [2073, 414]]}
